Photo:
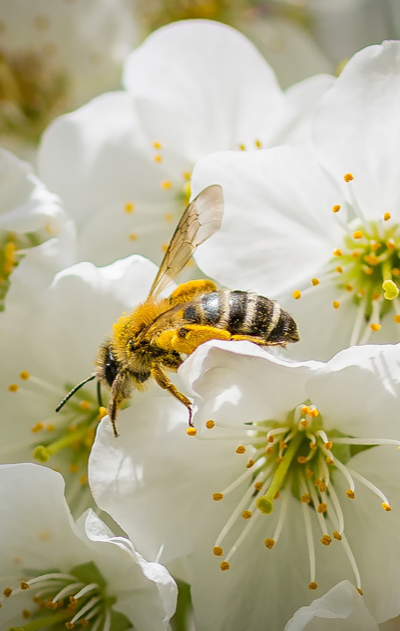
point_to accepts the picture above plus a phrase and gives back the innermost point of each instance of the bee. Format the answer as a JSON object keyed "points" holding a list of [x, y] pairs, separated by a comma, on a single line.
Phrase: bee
{"points": [[156, 336]]}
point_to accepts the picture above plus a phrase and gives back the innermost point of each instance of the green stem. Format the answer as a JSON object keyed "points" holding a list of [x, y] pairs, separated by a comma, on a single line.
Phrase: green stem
{"points": [[45, 621]]}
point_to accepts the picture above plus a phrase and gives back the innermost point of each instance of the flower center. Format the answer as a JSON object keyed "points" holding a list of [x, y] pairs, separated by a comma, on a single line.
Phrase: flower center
{"points": [[294, 457], [79, 597]]}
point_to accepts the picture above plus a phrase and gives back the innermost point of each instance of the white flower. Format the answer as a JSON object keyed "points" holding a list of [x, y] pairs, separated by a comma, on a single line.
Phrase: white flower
{"points": [[284, 452], [122, 163], [50, 339], [54, 571], [56, 55], [321, 224]]}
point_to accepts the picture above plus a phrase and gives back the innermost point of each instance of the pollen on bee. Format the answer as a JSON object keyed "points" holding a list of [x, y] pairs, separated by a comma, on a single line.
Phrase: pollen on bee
{"points": [[129, 207], [13, 387], [386, 217], [374, 327], [296, 294], [348, 177], [191, 431], [336, 208]]}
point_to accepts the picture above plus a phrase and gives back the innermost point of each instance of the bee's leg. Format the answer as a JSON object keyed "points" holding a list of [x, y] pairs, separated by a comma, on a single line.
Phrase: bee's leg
{"points": [[120, 391], [187, 291], [190, 336], [166, 384]]}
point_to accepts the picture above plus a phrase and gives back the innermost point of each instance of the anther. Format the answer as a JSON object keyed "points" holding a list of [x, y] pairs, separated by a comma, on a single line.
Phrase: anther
{"points": [[305, 498], [51, 605], [374, 327], [7, 592], [210, 424], [304, 422], [129, 207], [322, 487], [157, 158], [156, 144], [395, 271], [305, 410], [249, 464], [350, 494], [218, 551], [258, 144], [315, 281], [217, 497], [313, 585], [302, 459], [13, 387], [358, 234], [390, 244], [241, 449], [386, 507], [337, 252], [360, 591], [296, 294], [322, 508], [191, 431], [166, 185], [242, 147], [314, 413], [269, 543], [337, 535], [85, 405], [396, 318], [348, 177], [339, 269], [328, 445], [258, 486], [24, 375], [348, 287], [336, 304], [246, 514], [329, 460], [224, 566], [336, 208], [102, 412], [133, 236], [326, 540]]}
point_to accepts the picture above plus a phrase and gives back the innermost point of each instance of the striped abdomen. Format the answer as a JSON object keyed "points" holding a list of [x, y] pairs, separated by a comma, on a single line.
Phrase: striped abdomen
{"points": [[243, 313]]}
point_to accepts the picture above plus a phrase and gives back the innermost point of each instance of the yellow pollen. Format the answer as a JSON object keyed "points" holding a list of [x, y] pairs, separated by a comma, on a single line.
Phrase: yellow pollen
{"points": [[322, 487], [157, 158], [348, 287], [304, 422], [375, 245], [270, 439], [313, 585], [210, 424], [9, 255], [337, 252], [24, 586], [166, 184], [69, 625], [246, 514], [224, 566], [13, 387], [350, 494], [51, 605], [102, 412], [129, 207], [329, 460], [386, 217], [85, 405], [242, 147], [282, 445], [367, 270], [168, 217], [269, 543], [218, 551], [326, 540], [358, 234], [305, 409], [133, 236], [241, 449], [336, 304], [37, 428], [339, 269], [305, 498], [191, 431], [390, 244], [24, 375], [386, 507], [314, 413], [312, 445], [217, 497], [336, 208], [315, 281], [391, 291], [322, 508], [396, 318], [309, 474], [258, 144], [249, 464], [371, 259], [337, 535], [157, 145], [302, 459], [328, 445], [360, 591], [296, 294], [355, 254], [186, 175], [396, 271], [258, 486], [7, 592], [374, 327], [348, 177]]}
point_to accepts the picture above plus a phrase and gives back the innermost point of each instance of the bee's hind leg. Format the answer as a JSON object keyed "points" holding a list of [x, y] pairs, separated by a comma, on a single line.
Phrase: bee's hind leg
{"points": [[166, 384]]}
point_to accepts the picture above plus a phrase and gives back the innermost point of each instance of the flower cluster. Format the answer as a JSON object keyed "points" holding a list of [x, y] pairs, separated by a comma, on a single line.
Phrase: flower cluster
{"points": [[272, 494]]}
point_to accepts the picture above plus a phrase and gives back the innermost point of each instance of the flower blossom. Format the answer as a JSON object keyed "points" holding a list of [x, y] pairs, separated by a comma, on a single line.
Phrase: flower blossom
{"points": [[58, 572], [282, 493]]}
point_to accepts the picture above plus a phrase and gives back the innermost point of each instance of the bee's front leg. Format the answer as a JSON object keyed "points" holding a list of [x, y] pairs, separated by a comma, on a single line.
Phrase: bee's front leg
{"points": [[166, 384]]}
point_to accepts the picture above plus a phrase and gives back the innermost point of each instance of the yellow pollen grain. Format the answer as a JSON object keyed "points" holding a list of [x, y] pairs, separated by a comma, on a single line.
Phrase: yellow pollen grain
{"points": [[313, 585], [191, 431], [336, 304], [323, 507], [247, 514], [302, 460], [210, 424], [374, 327], [326, 540], [218, 551], [322, 487], [258, 486], [7, 592], [360, 591], [24, 586], [348, 177], [386, 217], [241, 449], [358, 234], [250, 464], [37, 427], [305, 498], [314, 282], [133, 236], [386, 507], [304, 422], [217, 497], [24, 375], [296, 294], [166, 185], [85, 405], [390, 244], [329, 460], [157, 158], [224, 566], [13, 387], [242, 147], [129, 207], [269, 543], [339, 269], [337, 535], [336, 208], [305, 409], [348, 287], [395, 271], [328, 445], [337, 252], [309, 474], [168, 217], [258, 144], [157, 144], [314, 413], [350, 494], [396, 318]]}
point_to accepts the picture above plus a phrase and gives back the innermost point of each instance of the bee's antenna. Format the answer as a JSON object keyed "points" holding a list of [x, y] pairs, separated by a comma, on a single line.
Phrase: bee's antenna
{"points": [[72, 392], [99, 399]]}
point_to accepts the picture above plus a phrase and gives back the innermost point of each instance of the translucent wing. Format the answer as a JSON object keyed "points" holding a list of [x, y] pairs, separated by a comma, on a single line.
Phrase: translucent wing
{"points": [[200, 220]]}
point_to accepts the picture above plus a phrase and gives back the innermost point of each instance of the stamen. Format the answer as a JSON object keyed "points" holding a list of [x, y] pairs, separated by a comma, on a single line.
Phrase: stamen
{"points": [[310, 543], [370, 486]]}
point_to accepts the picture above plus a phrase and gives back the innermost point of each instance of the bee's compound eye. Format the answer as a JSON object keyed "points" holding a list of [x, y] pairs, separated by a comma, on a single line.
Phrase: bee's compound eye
{"points": [[110, 369]]}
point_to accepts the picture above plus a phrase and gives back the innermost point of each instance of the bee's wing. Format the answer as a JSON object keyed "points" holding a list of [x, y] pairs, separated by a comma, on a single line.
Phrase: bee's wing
{"points": [[200, 220]]}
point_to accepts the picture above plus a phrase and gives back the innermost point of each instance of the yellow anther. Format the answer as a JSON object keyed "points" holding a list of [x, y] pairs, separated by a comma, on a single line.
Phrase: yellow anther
{"points": [[24, 375], [309, 474], [258, 144], [386, 507], [26, 614], [24, 586], [129, 207], [217, 497], [390, 289], [328, 445], [157, 145], [157, 158], [304, 422], [358, 234], [317, 482], [9, 256], [390, 244], [7, 592], [246, 514], [282, 445], [70, 625], [348, 177], [396, 318], [337, 535], [305, 498], [337, 252], [218, 551], [326, 540], [102, 412], [224, 566], [302, 459], [250, 464], [133, 236], [329, 460], [350, 494], [322, 487], [374, 245], [83, 480], [339, 269], [241, 449], [37, 428], [73, 467], [374, 327], [348, 287], [51, 605], [313, 585], [186, 175], [376, 296], [360, 591], [386, 217], [85, 405], [323, 507], [13, 387], [210, 424], [258, 486], [336, 208], [169, 217], [270, 438], [242, 147], [305, 410], [395, 271], [367, 270], [269, 543], [191, 431], [279, 459], [166, 184], [336, 304], [268, 451], [355, 254], [296, 294], [315, 282], [314, 413], [371, 259], [312, 445]]}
